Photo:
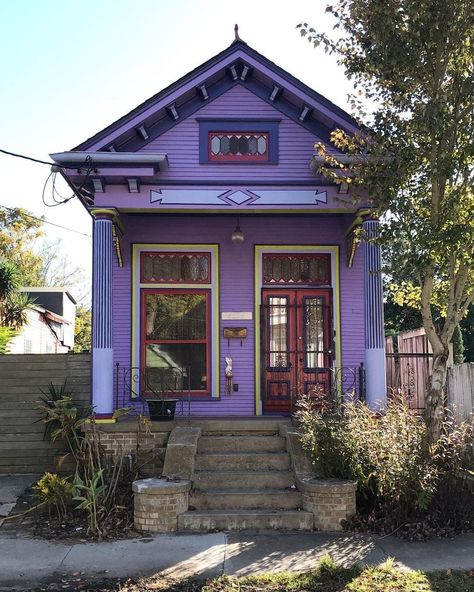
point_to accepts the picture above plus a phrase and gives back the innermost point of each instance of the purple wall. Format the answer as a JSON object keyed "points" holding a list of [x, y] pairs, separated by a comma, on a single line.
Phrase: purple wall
{"points": [[182, 144], [237, 285]]}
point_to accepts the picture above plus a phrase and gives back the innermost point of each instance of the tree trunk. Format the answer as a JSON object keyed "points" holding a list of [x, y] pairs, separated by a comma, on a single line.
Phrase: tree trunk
{"points": [[435, 402]]}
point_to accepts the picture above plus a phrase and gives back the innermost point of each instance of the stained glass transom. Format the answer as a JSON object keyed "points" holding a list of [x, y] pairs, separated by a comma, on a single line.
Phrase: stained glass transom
{"points": [[311, 269], [235, 146], [176, 268]]}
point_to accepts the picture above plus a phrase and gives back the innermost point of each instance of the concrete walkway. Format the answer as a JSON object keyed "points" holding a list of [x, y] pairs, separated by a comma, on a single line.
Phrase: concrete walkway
{"points": [[11, 487], [26, 560]]}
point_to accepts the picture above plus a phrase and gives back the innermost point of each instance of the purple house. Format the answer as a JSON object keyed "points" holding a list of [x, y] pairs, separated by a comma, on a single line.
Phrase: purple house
{"points": [[226, 272]]}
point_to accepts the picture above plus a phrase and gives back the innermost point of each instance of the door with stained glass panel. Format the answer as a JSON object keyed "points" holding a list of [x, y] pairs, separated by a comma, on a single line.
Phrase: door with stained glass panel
{"points": [[296, 345]]}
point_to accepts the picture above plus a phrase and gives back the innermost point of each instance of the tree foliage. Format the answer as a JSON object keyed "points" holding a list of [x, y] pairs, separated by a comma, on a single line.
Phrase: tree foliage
{"points": [[18, 234], [413, 63], [82, 330]]}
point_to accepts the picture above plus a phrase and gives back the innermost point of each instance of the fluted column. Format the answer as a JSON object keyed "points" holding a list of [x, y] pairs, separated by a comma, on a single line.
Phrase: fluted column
{"points": [[102, 351], [376, 382]]}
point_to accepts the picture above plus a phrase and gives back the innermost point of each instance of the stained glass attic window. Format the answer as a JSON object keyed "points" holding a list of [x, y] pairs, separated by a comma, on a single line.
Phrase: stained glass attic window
{"points": [[238, 146], [299, 269], [175, 268]]}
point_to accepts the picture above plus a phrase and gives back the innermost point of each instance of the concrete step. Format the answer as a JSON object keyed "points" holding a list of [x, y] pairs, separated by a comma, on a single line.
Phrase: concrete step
{"points": [[222, 444], [262, 519], [243, 479], [237, 426], [221, 499], [269, 461]]}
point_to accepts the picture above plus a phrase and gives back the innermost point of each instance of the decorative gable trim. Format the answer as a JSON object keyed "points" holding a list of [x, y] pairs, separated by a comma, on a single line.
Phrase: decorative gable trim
{"points": [[245, 66]]}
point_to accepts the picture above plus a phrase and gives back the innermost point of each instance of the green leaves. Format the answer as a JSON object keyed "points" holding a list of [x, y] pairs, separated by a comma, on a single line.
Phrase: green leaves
{"points": [[413, 63]]}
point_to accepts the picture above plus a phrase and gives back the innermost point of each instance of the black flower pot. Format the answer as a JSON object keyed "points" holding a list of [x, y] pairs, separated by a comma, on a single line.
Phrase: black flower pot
{"points": [[162, 409]]}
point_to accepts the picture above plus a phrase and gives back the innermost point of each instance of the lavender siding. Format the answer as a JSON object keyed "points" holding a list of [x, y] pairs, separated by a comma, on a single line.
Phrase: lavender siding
{"points": [[237, 286], [182, 145]]}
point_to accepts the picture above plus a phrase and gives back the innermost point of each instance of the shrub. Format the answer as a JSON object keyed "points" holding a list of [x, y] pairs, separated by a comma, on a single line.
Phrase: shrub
{"points": [[102, 481], [56, 492], [390, 457]]}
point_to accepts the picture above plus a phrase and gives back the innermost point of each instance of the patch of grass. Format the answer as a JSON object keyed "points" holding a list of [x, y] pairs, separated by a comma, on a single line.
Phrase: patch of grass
{"points": [[327, 577]]}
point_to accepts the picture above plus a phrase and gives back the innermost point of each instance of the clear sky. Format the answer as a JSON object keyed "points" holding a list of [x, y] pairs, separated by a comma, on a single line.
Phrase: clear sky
{"points": [[69, 68]]}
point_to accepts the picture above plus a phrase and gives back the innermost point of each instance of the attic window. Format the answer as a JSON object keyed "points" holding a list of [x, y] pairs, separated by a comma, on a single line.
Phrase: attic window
{"points": [[238, 146], [238, 141]]}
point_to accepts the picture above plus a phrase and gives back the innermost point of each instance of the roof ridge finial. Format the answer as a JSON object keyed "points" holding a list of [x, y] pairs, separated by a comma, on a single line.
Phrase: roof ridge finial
{"points": [[236, 31]]}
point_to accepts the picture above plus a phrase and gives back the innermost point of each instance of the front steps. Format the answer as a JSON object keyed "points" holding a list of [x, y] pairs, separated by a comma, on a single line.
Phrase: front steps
{"points": [[243, 480]]}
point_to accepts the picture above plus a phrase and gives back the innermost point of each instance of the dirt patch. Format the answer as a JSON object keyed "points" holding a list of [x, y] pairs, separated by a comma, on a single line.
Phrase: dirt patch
{"points": [[30, 520]]}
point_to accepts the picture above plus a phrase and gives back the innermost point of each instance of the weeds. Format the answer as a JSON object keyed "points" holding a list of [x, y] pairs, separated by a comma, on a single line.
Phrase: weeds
{"points": [[401, 476], [102, 483]]}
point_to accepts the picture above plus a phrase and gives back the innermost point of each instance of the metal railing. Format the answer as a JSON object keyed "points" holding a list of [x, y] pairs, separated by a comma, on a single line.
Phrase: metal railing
{"points": [[161, 385]]}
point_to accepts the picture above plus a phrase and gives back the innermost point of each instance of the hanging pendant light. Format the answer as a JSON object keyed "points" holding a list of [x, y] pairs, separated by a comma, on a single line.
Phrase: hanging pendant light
{"points": [[238, 235]]}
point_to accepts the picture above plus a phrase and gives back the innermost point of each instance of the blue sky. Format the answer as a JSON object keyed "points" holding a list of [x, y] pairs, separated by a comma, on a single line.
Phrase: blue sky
{"points": [[69, 68]]}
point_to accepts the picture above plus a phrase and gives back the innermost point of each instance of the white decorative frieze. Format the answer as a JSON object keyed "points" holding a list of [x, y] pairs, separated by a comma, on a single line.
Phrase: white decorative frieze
{"points": [[262, 198]]}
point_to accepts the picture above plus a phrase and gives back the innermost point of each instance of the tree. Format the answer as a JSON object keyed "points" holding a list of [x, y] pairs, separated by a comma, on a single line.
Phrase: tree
{"points": [[13, 304], [19, 232], [82, 330], [413, 62]]}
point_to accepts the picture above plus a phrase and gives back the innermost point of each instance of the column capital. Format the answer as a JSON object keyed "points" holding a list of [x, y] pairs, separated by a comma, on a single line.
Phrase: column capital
{"points": [[111, 214]]}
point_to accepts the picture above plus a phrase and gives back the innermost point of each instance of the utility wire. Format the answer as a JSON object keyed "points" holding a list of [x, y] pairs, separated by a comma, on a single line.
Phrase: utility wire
{"points": [[45, 221], [54, 168], [29, 158]]}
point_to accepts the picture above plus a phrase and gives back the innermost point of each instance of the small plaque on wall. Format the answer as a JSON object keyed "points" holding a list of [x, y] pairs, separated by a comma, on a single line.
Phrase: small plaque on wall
{"points": [[236, 316], [235, 332]]}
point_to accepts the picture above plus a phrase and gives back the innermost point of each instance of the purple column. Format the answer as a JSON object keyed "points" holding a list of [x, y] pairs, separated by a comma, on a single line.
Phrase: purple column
{"points": [[376, 382], [102, 351]]}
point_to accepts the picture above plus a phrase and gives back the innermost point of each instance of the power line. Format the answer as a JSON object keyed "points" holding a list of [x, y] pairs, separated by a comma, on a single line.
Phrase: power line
{"points": [[46, 221], [29, 158]]}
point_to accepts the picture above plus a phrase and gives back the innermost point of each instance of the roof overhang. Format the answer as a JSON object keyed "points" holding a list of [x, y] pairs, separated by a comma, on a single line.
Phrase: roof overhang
{"points": [[93, 170]]}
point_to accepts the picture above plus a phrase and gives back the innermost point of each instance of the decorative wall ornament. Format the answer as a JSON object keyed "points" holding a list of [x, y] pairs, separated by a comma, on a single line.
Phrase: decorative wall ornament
{"points": [[264, 198], [228, 375], [354, 238]]}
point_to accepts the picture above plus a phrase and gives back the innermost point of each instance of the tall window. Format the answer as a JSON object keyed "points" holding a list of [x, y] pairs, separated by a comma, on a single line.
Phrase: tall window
{"points": [[176, 335]]}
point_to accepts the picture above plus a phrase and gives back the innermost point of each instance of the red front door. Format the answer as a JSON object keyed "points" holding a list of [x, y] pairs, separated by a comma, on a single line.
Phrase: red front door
{"points": [[296, 345]]}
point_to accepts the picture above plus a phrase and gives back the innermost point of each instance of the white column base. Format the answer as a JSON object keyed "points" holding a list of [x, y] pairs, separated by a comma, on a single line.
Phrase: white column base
{"points": [[103, 380], [375, 378]]}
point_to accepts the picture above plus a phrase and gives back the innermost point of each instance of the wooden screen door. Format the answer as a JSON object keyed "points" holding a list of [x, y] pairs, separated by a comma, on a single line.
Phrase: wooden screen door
{"points": [[296, 344]]}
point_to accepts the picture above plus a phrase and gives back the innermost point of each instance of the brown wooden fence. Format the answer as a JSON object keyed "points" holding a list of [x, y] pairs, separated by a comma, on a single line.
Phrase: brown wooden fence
{"points": [[460, 389], [409, 364], [22, 376]]}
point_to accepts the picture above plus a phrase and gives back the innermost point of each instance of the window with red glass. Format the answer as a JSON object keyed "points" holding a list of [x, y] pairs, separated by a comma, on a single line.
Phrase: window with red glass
{"points": [[238, 146], [158, 267], [176, 335], [297, 269]]}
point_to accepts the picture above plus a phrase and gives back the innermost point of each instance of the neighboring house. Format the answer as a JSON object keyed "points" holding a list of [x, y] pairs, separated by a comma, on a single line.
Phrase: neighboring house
{"points": [[215, 238], [49, 328]]}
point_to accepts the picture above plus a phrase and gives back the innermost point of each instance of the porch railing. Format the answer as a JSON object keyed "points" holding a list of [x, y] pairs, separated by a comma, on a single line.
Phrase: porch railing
{"points": [[134, 385], [334, 385]]}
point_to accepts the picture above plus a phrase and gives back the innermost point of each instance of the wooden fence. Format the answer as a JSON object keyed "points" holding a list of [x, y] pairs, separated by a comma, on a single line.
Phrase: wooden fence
{"points": [[460, 389], [22, 376], [409, 364]]}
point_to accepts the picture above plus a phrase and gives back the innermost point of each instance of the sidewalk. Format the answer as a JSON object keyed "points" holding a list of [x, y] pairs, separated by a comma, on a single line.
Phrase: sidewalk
{"points": [[26, 560]]}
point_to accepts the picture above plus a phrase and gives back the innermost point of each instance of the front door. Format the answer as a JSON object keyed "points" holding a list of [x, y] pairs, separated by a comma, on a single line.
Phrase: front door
{"points": [[296, 345]]}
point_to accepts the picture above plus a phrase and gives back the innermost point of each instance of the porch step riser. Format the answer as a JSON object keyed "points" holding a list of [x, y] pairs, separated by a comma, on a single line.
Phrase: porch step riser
{"points": [[236, 426], [223, 444], [204, 480], [254, 462], [286, 500], [202, 521]]}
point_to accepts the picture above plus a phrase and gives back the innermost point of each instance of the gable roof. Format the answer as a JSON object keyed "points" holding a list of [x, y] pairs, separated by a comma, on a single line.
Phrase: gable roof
{"points": [[237, 64]]}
